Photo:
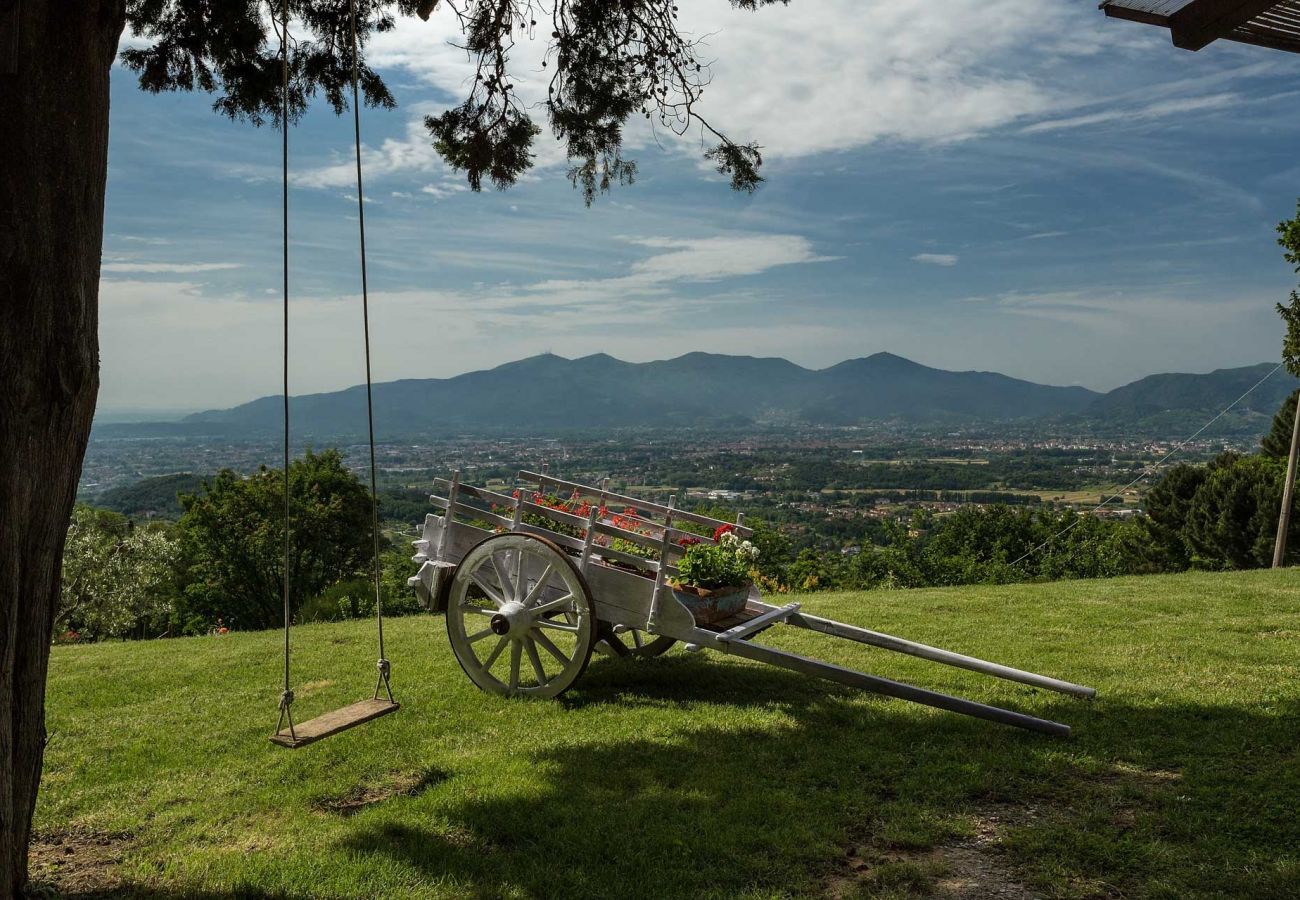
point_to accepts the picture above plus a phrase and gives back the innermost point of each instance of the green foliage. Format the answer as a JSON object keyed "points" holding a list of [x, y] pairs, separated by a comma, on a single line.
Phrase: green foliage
{"points": [[625, 546], [1232, 518], [1167, 505], [354, 598], [607, 62], [1289, 240], [1277, 443], [151, 497], [232, 537], [118, 580]]}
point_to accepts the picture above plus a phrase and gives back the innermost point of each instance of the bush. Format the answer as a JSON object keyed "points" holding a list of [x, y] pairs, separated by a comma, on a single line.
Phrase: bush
{"points": [[232, 537], [118, 580], [354, 598]]}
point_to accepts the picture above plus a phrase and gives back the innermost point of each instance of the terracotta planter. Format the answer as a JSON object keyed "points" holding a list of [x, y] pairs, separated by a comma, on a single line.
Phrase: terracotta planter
{"points": [[709, 606]]}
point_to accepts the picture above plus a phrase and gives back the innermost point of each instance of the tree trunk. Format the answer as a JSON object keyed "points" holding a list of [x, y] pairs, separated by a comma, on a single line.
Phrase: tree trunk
{"points": [[53, 164], [1284, 517]]}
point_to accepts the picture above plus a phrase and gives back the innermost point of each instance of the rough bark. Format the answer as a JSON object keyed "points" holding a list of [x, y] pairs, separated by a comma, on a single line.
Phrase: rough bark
{"points": [[53, 164]]}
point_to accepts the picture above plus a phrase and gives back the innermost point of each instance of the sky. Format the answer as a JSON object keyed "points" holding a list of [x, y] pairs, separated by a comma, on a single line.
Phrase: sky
{"points": [[1022, 186]]}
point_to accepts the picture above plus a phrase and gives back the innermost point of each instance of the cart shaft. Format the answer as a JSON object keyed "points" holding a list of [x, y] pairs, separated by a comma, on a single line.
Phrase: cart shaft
{"points": [[831, 672], [935, 654]]}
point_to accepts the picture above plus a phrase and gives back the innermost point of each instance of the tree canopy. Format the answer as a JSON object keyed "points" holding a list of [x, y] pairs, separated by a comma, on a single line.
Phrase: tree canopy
{"points": [[608, 62], [232, 537]]}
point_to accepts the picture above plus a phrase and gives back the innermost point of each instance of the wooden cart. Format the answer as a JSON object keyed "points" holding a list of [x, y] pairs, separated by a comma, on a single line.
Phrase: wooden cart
{"points": [[531, 590]]}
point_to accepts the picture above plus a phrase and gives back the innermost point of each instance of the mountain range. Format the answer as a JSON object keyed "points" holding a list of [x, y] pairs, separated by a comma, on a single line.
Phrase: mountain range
{"points": [[551, 393]]}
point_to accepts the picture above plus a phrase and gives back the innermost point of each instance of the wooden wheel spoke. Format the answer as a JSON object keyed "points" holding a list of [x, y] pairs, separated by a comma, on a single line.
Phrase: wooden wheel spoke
{"points": [[502, 579], [531, 649], [476, 610], [478, 636], [615, 644], [549, 646], [488, 589], [540, 586], [637, 639], [520, 578], [496, 653], [515, 653], [563, 603], [556, 626]]}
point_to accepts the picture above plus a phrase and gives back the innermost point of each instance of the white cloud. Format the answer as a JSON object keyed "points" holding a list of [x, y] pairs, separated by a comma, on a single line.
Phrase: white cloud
{"points": [[686, 261], [185, 328], [936, 259], [1150, 111], [410, 153], [850, 72], [444, 189], [152, 268], [1118, 312]]}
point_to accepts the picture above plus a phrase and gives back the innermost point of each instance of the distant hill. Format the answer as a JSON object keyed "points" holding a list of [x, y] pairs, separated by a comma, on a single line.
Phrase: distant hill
{"points": [[549, 393], [1177, 399]]}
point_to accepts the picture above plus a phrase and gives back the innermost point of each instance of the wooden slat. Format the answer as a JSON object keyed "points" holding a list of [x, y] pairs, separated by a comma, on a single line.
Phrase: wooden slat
{"points": [[1201, 22], [476, 492], [759, 622], [564, 540], [332, 723], [646, 505], [469, 512], [1195, 24], [648, 541]]}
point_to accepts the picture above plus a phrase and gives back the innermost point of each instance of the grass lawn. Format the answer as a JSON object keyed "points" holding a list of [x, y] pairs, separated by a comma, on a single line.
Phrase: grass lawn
{"points": [[705, 775]]}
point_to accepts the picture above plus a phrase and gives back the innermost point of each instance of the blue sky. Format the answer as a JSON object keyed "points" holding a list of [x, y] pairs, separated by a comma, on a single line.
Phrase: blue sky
{"points": [[1015, 185]]}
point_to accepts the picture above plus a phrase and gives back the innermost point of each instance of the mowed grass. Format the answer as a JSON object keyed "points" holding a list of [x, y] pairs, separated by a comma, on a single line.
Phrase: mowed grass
{"points": [[702, 775]]}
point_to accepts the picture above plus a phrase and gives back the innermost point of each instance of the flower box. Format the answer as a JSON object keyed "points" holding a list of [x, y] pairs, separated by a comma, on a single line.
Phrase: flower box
{"points": [[709, 606]]}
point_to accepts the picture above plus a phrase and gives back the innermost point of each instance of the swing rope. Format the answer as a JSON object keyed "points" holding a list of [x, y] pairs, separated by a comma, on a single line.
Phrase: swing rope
{"points": [[383, 681], [383, 665], [286, 697]]}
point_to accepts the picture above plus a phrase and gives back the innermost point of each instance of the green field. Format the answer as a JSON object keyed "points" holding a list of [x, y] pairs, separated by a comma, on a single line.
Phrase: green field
{"points": [[703, 775]]}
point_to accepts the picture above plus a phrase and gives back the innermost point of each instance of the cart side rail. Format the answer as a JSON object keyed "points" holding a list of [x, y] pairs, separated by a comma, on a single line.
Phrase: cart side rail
{"points": [[505, 511], [655, 514]]}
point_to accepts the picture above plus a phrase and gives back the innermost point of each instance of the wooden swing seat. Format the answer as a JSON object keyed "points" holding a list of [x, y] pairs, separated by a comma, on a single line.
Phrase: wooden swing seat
{"points": [[333, 722]]}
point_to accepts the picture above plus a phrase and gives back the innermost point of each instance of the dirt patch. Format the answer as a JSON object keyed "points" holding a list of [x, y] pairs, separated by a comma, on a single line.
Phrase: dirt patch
{"points": [[311, 687], [74, 861], [959, 870], [363, 796]]}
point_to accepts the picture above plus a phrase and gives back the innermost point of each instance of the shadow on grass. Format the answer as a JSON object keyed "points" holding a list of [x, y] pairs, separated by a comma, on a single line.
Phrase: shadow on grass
{"points": [[1184, 800], [1184, 795]]}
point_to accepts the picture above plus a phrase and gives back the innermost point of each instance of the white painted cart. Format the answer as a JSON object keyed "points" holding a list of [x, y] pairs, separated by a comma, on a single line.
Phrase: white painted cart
{"points": [[530, 591]]}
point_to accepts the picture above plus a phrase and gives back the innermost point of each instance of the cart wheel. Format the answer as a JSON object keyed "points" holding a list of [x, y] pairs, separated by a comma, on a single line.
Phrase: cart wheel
{"points": [[636, 644], [520, 617]]}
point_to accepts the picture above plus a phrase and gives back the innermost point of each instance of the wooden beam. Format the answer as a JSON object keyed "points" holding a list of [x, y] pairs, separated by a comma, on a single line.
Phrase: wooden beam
{"points": [[1202, 22], [9, 19]]}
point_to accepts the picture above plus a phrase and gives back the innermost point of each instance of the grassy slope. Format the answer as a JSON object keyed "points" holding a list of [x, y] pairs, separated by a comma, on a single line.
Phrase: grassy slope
{"points": [[702, 774]]}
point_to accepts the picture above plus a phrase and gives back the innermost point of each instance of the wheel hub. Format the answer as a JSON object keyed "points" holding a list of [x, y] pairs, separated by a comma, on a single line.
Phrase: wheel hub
{"points": [[513, 618]]}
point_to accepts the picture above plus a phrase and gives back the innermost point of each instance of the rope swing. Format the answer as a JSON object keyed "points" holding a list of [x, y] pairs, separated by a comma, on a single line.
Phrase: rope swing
{"points": [[365, 710]]}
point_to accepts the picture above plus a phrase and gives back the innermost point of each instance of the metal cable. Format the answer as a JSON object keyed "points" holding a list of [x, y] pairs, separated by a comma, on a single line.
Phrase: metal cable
{"points": [[365, 317], [1149, 470]]}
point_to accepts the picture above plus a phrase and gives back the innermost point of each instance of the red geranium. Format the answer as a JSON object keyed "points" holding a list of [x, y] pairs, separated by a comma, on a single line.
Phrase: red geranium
{"points": [[721, 530]]}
